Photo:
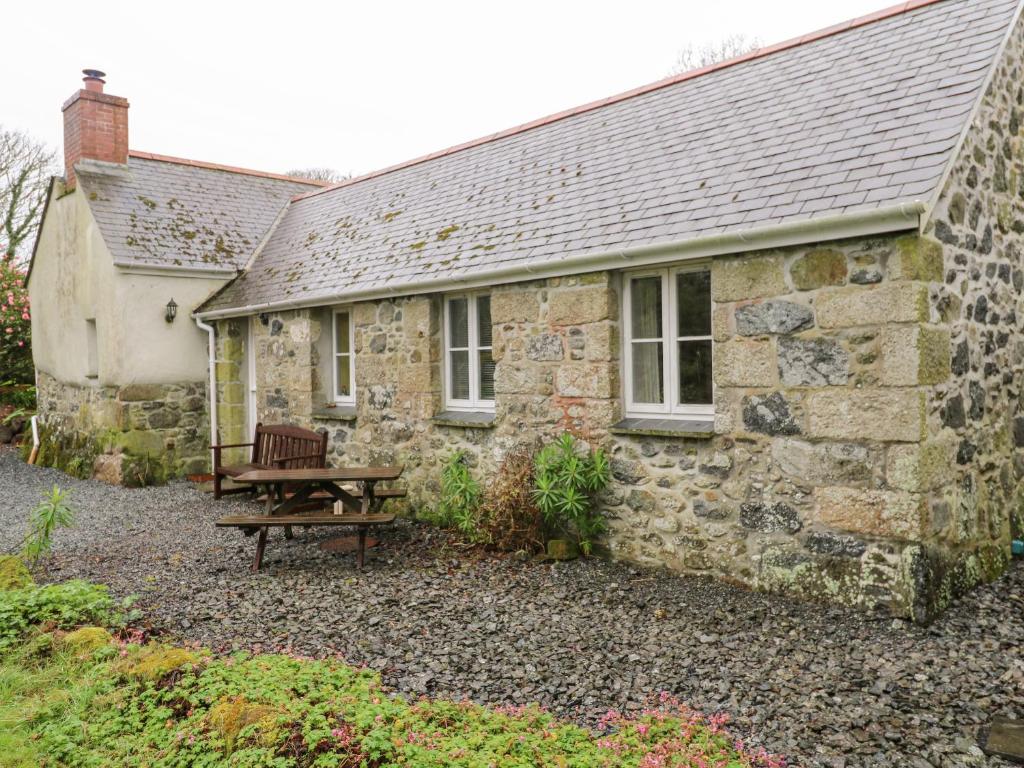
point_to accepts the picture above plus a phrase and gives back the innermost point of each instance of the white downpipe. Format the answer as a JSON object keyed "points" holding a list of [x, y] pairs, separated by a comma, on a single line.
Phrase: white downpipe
{"points": [[212, 350], [35, 439]]}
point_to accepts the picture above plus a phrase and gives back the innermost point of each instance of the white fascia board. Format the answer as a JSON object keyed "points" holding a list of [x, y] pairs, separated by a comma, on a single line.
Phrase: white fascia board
{"points": [[897, 218]]}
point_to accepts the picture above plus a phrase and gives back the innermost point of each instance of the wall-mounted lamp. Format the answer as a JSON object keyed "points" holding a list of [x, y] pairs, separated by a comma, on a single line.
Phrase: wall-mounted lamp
{"points": [[170, 311]]}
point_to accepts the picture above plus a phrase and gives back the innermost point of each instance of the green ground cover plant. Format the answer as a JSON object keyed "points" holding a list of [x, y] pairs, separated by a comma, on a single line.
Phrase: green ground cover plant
{"points": [[91, 698]]}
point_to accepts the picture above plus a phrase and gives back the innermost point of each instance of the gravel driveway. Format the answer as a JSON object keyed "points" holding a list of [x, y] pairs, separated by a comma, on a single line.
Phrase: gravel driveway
{"points": [[822, 685]]}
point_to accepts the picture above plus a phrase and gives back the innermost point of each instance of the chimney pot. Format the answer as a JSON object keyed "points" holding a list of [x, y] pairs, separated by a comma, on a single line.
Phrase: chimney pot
{"points": [[94, 80]]}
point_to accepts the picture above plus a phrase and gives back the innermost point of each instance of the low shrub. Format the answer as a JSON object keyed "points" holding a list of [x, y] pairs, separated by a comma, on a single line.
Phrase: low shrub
{"points": [[536, 495], [460, 498], [90, 702]]}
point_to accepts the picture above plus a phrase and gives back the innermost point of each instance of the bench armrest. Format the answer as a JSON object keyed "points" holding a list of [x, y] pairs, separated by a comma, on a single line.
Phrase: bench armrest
{"points": [[232, 445], [286, 459]]}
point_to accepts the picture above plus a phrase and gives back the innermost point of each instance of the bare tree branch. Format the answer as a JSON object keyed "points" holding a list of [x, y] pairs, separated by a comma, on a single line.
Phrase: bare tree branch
{"points": [[693, 57], [26, 166], [319, 174]]}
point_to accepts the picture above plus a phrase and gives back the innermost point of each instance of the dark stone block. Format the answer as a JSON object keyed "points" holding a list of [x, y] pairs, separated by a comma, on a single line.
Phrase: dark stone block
{"points": [[945, 233], [986, 241], [773, 317], [965, 452], [961, 362], [977, 394], [981, 309], [953, 414], [1018, 431], [832, 544], [709, 510], [769, 415], [769, 518]]}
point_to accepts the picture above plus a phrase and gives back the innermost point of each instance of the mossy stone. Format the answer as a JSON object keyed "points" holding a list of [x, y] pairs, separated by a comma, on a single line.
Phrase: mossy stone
{"points": [[920, 258], [818, 269], [563, 549]]}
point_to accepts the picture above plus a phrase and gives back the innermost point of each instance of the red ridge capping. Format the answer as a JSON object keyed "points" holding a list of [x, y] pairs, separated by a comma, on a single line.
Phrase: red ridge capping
{"points": [[219, 167], [884, 13]]}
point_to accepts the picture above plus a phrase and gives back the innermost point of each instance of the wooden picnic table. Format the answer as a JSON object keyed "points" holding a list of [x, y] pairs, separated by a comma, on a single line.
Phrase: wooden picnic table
{"points": [[289, 490]]}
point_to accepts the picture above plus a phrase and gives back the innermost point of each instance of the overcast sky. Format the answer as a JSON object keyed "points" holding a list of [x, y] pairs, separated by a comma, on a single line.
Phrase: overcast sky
{"points": [[357, 86]]}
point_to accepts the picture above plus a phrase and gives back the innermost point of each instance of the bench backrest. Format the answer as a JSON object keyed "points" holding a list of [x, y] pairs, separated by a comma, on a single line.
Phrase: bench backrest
{"points": [[273, 442]]}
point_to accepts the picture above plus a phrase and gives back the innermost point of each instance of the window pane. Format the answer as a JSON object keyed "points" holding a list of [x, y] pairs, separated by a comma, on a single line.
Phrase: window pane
{"points": [[341, 336], [483, 320], [648, 374], [695, 372], [694, 300], [486, 375], [460, 375], [344, 372], [645, 307], [458, 318]]}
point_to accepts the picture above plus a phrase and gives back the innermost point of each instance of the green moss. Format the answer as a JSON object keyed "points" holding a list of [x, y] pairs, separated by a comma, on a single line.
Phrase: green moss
{"points": [[14, 574], [447, 232], [86, 640], [417, 245], [153, 662], [229, 717], [819, 268], [920, 258], [149, 203]]}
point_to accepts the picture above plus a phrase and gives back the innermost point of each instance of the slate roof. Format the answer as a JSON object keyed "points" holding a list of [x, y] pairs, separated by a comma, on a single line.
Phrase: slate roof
{"points": [[863, 118], [181, 214]]}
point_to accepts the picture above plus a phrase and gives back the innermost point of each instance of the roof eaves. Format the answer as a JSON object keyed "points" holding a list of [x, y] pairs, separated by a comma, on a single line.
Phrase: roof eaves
{"points": [[874, 221], [810, 37], [228, 168]]}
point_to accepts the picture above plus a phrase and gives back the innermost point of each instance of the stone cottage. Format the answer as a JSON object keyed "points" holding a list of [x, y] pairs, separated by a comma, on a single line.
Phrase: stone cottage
{"points": [[781, 291]]}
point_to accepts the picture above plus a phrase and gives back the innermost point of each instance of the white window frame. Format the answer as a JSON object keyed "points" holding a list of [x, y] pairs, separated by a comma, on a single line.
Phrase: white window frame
{"points": [[349, 399], [474, 403], [672, 407]]}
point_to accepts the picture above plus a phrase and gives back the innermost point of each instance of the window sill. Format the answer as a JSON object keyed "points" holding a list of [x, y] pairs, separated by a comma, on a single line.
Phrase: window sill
{"points": [[466, 419], [337, 413], [701, 430]]}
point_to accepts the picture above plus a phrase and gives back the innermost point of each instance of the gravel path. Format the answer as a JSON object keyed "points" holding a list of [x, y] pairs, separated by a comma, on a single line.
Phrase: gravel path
{"points": [[822, 685]]}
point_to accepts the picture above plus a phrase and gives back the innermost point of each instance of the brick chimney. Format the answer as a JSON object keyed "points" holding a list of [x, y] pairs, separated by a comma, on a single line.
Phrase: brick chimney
{"points": [[95, 126]]}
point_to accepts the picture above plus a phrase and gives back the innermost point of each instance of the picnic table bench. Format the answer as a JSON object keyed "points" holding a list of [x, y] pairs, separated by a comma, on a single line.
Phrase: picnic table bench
{"points": [[274, 446], [316, 486]]}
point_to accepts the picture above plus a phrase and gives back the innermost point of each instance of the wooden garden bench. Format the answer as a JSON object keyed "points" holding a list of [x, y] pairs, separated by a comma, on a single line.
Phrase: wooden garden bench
{"points": [[274, 446]]}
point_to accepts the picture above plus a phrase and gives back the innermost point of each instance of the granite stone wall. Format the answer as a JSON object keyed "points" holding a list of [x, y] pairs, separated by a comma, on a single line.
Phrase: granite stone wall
{"points": [[977, 413], [818, 479], [135, 434]]}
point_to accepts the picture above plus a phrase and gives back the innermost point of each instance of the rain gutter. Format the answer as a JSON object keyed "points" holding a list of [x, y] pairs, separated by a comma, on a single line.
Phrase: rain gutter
{"points": [[897, 218]]}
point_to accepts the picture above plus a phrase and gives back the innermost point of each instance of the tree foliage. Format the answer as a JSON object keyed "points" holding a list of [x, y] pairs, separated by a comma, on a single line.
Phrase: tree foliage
{"points": [[696, 57], [319, 174], [15, 324], [26, 166]]}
